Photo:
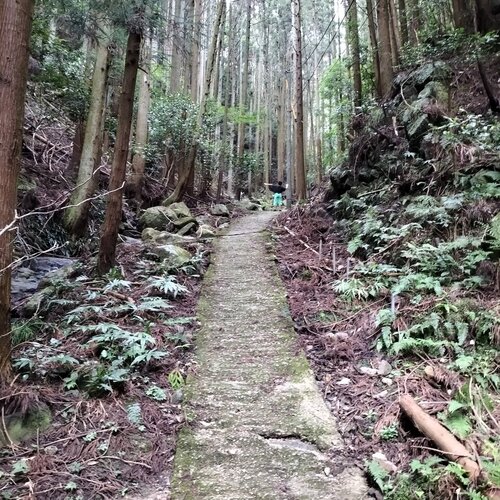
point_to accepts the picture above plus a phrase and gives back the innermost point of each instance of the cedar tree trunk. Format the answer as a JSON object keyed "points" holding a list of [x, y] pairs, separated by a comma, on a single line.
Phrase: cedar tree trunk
{"points": [[109, 232], [15, 28]]}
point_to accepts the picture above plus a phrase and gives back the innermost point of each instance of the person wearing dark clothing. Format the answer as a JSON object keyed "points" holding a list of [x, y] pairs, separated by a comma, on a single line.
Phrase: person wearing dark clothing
{"points": [[278, 190]]}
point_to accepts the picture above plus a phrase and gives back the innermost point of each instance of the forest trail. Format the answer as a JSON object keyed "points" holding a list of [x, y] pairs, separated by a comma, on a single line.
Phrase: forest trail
{"points": [[259, 427]]}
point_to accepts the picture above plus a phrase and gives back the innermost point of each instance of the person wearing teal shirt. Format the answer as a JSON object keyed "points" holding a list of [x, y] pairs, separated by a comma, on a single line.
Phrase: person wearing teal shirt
{"points": [[278, 190]]}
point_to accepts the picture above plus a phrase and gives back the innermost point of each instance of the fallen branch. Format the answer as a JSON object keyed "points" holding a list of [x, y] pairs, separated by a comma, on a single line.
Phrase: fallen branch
{"points": [[445, 440], [303, 242]]}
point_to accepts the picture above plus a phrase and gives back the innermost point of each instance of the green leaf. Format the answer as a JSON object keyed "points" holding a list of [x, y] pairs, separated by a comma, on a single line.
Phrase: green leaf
{"points": [[156, 393], [455, 405], [463, 363], [378, 473], [459, 424], [20, 467]]}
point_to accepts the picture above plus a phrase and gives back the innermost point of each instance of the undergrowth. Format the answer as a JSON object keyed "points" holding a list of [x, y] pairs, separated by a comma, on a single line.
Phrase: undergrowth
{"points": [[423, 238], [107, 356]]}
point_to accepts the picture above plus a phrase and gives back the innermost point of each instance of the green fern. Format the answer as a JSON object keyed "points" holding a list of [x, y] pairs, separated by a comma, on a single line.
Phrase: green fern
{"points": [[494, 232], [378, 474], [168, 286], [134, 413]]}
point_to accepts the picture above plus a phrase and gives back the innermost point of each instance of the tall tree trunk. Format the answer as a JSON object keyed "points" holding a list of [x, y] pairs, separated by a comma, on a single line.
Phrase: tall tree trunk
{"points": [[300, 169], [385, 55], [76, 151], [319, 160], [194, 73], [375, 47], [415, 16], [111, 225], [395, 34], [403, 22], [487, 18], [76, 216], [141, 130], [15, 28], [235, 69], [243, 101], [289, 140], [355, 51], [267, 128], [175, 72], [462, 15], [227, 104], [281, 113]]}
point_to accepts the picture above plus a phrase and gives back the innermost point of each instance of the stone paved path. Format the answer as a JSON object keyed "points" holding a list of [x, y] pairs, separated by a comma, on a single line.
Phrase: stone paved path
{"points": [[259, 428]]}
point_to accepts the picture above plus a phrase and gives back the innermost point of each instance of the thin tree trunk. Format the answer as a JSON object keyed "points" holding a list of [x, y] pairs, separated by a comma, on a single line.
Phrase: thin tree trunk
{"points": [[319, 160], [243, 101], [141, 130], [395, 35], [235, 69], [76, 152], [281, 153], [15, 27], [403, 22], [355, 51], [267, 129], [193, 85], [175, 72], [75, 217], [375, 47], [110, 227], [300, 169], [416, 20], [289, 149], [227, 103]]}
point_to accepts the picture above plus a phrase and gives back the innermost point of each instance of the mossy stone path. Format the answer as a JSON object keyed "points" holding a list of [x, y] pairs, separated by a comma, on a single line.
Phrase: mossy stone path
{"points": [[259, 427]]}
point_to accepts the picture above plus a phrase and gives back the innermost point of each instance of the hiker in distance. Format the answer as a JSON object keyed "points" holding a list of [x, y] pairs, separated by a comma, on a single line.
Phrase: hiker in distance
{"points": [[278, 190]]}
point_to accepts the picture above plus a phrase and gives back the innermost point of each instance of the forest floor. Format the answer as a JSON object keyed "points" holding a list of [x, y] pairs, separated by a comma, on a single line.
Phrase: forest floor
{"points": [[361, 385], [257, 423], [99, 372]]}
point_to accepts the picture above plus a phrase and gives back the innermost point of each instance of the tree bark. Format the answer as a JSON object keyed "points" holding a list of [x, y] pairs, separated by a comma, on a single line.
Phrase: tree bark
{"points": [[141, 130], [403, 22], [243, 102], [462, 15], [267, 128], [493, 100], [416, 20], [487, 20], [355, 51], [395, 34], [300, 170], [385, 55], [110, 227], [15, 27], [175, 72], [194, 73], [76, 152], [281, 146], [76, 216], [375, 46]]}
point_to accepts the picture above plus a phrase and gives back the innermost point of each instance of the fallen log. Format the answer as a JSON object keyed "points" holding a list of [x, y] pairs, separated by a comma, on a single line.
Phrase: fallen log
{"points": [[447, 443]]}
